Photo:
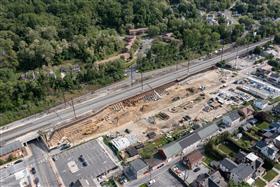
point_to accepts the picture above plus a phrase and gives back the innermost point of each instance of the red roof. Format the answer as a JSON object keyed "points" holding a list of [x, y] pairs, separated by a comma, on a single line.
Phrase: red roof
{"points": [[193, 157]]}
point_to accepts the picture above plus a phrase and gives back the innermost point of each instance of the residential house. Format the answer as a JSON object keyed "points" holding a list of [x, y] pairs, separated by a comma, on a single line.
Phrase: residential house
{"points": [[270, 151], [132, 151], [246, 112], [268, 134], [277, 142], [227, 165], [189, 143], [170, 151], [192, 159], [136, 169], [240, 157], [155, 162], [246, 126], [201, 180], [256, 162], [260, 145], [260, 104], [14, 149], [208, 132], [242, 173], [276, 109], [216, 180], [275, 127], [231, 118]]}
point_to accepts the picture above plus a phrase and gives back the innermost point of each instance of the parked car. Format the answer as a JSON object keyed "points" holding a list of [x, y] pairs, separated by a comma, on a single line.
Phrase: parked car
{"points": [[196, 169], [81, 158], [84, 163], [18, 161]]}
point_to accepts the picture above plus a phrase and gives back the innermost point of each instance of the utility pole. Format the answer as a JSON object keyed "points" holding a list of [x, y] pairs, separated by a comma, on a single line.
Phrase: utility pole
{"points": [[131, 75], [223, 44], [142, 81], [150, 172], [236, 56], [73, 107], [64, 100]]}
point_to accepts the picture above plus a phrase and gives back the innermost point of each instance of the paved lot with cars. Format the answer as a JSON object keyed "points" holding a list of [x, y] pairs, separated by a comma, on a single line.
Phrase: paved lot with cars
{"points": [[13, 174], [93, 163], [166, 179]]}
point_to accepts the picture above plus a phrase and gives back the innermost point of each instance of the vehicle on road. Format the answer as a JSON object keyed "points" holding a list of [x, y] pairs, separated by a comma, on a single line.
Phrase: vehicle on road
{"points": [[196, 169], [151, 182], [33, 171]]}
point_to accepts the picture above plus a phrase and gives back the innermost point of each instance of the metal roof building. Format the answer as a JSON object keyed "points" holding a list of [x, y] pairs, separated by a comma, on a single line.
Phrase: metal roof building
{"points": [[123, 142], [189, 140], [208, 131], [6, 149]]}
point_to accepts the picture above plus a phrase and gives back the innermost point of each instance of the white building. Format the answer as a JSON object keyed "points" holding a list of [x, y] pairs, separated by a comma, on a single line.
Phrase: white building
{"points": [[260, 104], [122, 142]]}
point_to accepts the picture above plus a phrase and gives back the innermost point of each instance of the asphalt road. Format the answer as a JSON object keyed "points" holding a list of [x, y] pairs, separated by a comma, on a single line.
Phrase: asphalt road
{"points": [[39, 161], [110, 96]]}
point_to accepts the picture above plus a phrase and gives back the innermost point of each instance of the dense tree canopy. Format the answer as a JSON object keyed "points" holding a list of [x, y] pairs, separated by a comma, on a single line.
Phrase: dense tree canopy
{"points": [[39, 37]]}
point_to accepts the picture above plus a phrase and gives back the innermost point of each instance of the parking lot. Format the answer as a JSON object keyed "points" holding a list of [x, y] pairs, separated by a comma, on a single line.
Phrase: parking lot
{"points": [[166, 179], [189, 175], [71, 168], [13, 175]]}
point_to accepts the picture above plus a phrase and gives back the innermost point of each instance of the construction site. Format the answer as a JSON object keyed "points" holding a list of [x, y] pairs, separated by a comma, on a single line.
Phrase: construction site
{"points": [[159, 110]]}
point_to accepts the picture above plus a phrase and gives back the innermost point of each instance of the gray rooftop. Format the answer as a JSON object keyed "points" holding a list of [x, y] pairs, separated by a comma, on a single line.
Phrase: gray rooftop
{"points": [[208, 131], [243, 171], [171, 149], [271, 151], [233, 115], [189, 140], [10, 147], [228, 163], [138, 164], [240, 155], [216, 180]]}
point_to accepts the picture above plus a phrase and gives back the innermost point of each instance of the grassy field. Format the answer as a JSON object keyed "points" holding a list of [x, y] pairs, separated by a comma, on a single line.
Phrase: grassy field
{"points": [[270, 175], [150, 148], [225, 149], [260, 183], [263, 125], [143, 185], [277, 166]]}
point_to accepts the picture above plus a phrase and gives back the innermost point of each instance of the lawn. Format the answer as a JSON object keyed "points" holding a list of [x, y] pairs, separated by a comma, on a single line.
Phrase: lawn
{"points": [[150, 148], [260, 183], [208, 159], [277, 166], [271, 174], [143, 185], [225, 149], [252, 134], [244, 143], [263, 125]]}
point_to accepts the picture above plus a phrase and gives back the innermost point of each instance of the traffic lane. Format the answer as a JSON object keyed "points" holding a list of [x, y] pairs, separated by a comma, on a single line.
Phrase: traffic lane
{"points": [[40, 162]]}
